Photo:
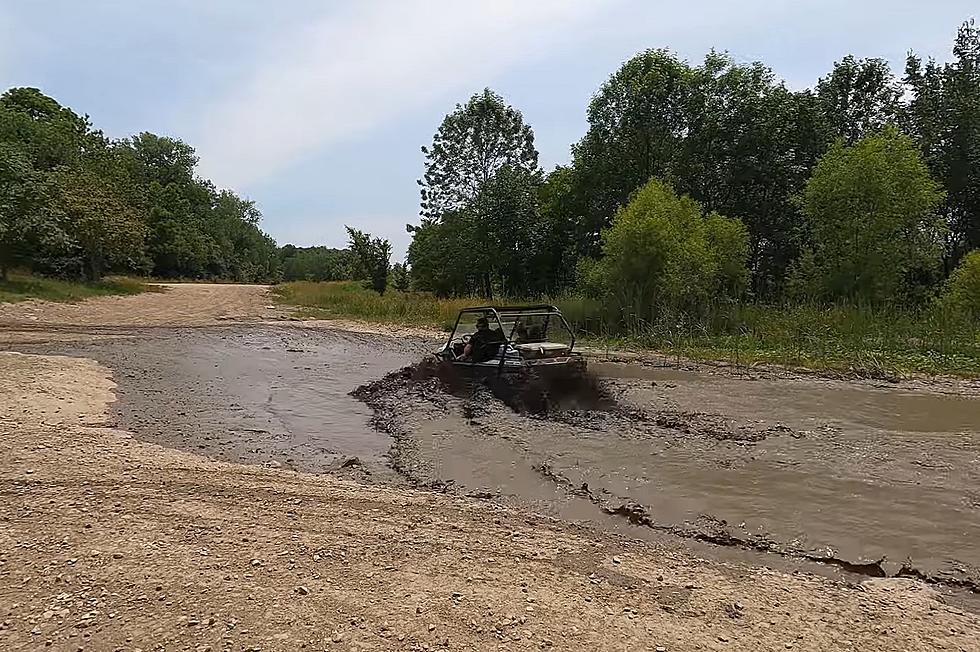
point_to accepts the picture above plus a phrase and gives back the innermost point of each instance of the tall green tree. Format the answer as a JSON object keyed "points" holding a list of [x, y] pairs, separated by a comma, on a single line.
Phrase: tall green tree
{"points": [[637, 123], [49, 134], [27, 221], [871, 212], [561, 228], [440, 255], [102, 227], [504, 231], [858, 97], [750, 147], [471, 145], [729, 135], [373, 257], [944, 115]]}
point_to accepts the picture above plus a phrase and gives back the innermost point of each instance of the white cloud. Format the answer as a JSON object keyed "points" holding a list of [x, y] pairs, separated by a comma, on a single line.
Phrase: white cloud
{"points": [[348, 73]]}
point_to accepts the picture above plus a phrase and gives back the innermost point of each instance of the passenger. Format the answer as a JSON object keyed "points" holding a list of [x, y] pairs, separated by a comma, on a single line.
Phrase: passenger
{"points": [[484, 343], [520, 333]]}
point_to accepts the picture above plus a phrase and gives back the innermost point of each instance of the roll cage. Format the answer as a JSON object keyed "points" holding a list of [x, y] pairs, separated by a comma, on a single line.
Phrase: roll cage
{"points": [[517, 316]]}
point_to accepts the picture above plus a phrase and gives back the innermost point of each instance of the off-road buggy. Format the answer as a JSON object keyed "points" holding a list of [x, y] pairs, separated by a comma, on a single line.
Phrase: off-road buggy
{"points": [[523, 337], [529, 360]]}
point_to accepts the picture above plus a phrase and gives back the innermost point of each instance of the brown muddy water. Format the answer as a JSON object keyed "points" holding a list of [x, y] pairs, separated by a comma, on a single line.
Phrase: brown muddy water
{"points": [[771, 469]]}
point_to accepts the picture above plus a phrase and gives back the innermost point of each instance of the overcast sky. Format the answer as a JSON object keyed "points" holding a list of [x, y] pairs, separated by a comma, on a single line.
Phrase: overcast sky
{"points": [[316, 109]]}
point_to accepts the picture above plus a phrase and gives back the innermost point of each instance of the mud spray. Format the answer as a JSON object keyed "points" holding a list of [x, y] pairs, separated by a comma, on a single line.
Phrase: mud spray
{"points": [[543, 391]]}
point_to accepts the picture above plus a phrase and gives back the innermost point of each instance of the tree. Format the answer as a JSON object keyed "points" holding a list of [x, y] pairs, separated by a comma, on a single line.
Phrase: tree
{"points": [[859, 96], [315, 263], [373, 257], [944, 115], [471, 145], [749, 149], [399, 277], [505, 220], [637, 124], [661, 254], [49, 134], [870, 209], [100, 224], [27, 222], [561, 230], [729, 135], [435, 259]]}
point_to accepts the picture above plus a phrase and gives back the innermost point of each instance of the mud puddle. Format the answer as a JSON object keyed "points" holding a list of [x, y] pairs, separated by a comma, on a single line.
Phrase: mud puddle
{"points": [[269, 396], [812, 471]]}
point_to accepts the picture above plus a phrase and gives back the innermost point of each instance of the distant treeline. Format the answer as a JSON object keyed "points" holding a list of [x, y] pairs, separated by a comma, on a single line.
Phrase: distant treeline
{"points": [[76, 204]]}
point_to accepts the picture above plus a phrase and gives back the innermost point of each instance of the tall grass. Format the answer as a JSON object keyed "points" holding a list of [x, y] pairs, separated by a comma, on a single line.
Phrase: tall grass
{"points": [[348, 299], [877, 342], [21, 287]]}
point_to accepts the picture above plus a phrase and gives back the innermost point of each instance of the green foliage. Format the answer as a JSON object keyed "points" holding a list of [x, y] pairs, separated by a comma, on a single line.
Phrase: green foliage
{"points": [[637, 125], [372, 258], [49, 134], [470, 147], [944, 116], [560, 230], [104, 230], [481, 226], [20, 287], [316, 263], [399, 277], [438, 255], [870, 209], [728, 135], [489, 247], [662, 254], [859, 97], [961, 293], [73, 203]]}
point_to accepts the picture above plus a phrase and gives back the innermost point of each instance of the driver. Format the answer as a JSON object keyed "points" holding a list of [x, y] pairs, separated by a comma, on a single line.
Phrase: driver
{"points": [[482, 343]]}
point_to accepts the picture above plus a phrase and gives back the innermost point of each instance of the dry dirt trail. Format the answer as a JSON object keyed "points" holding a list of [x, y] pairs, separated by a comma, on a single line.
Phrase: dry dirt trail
{"points": [[127, 539]]}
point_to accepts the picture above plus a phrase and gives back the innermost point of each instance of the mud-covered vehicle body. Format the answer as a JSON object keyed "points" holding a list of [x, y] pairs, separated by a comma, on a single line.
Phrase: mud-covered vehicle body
{"points": [[523, 338]]}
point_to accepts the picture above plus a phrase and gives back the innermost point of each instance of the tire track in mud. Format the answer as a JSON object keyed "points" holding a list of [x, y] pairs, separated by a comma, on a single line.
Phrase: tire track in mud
{"points": [[422, 385]]}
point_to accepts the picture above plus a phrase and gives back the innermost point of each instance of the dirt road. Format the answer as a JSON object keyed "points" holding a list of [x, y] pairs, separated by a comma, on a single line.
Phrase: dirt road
{"points": [[111, 537]]}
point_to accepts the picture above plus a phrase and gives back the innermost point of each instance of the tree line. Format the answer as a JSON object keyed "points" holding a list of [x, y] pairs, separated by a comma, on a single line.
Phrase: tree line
{"points": [[76, 204], [702, 184]]}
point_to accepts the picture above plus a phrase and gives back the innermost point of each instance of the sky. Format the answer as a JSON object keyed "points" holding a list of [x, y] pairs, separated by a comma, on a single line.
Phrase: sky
{"points": [[317, 109]]}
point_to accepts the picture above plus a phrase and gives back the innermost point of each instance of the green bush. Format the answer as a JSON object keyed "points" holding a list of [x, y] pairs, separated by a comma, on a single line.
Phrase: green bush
{"points": [[663, 255], [961, 294], [870, 210]]}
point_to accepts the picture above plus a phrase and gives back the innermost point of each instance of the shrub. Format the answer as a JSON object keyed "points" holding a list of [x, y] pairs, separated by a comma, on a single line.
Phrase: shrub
{"points": [[662, 254], [961, 293], [870, 210]]}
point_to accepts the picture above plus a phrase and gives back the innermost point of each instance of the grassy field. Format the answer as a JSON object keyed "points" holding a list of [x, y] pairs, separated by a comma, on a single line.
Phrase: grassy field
{"points": [[865, 342], [22, 287]]}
